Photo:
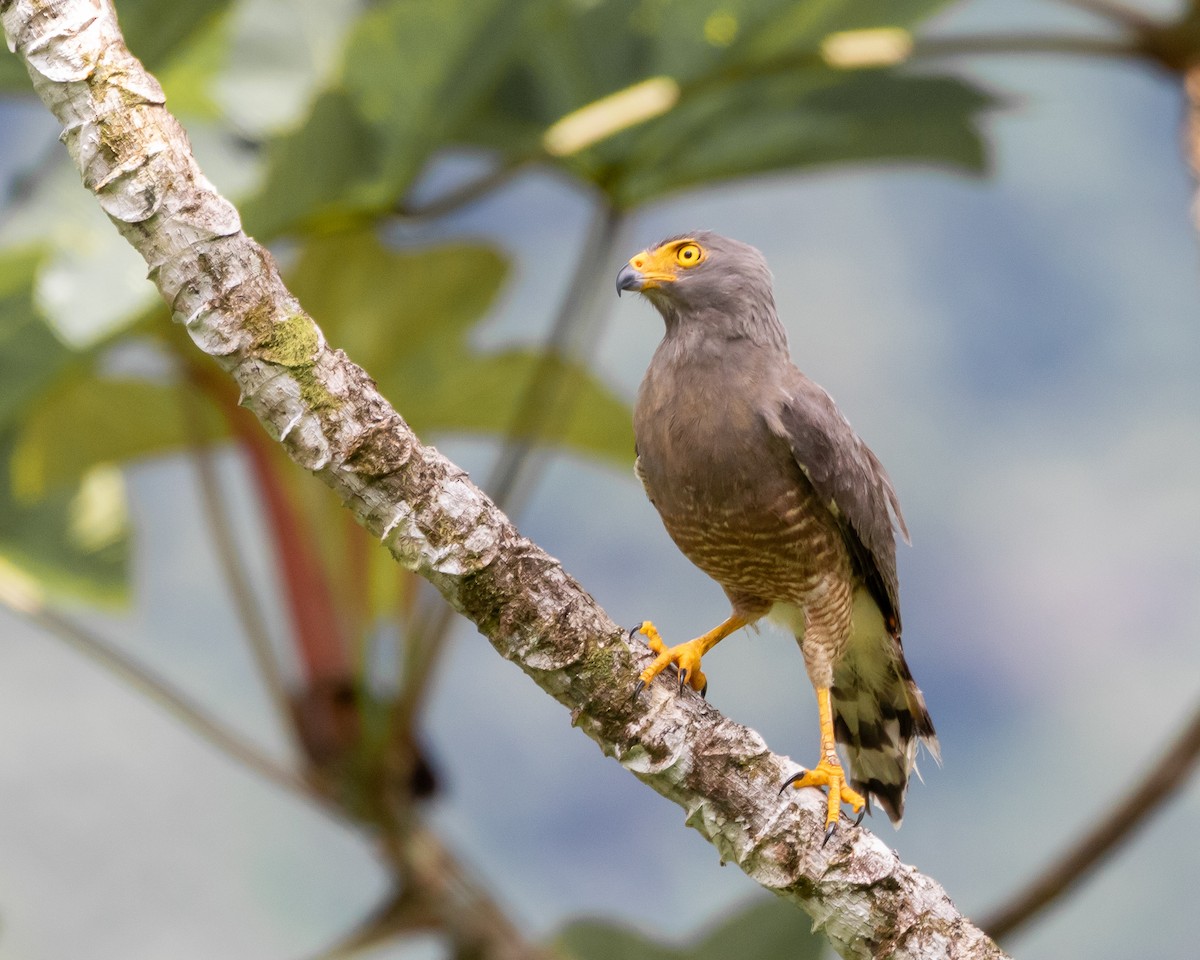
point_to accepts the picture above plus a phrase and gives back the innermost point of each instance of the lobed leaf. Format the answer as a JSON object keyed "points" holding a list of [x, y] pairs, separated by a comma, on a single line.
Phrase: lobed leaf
{"points": [[411, 68], [31, 355], [44, 540], [90, 420], [755, 94]]}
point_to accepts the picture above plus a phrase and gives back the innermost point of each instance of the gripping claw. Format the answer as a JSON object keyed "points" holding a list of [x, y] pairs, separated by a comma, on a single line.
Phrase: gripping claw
{"points": [[829, 774], [792, 779]]}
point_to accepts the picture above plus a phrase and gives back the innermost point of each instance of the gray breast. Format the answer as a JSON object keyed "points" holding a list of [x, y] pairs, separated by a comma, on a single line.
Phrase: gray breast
{"points": [[730, 494]]}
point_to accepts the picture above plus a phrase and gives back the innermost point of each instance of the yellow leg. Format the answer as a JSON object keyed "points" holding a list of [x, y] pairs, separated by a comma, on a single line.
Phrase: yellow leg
{"points": [[828, 771], [685, 656]]}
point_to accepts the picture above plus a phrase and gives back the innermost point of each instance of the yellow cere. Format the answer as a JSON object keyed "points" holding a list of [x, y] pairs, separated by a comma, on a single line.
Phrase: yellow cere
{"points": [[662, 264]]}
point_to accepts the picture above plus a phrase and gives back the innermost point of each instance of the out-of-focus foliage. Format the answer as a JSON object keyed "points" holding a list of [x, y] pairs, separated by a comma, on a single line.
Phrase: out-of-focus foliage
{"points": [[764, 931], [48, 540], [406, 315], [40, 531], [754, 95], [73, 430], [154, 30], [31, 356], [412, 71], [755, 92]]}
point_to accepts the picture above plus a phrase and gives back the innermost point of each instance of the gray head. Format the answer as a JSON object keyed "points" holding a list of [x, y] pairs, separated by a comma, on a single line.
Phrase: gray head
{"points": [[706, 280]]}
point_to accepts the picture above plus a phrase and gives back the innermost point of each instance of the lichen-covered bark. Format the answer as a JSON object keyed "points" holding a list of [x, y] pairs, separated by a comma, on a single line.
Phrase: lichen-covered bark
{"points": [[225, 289]]}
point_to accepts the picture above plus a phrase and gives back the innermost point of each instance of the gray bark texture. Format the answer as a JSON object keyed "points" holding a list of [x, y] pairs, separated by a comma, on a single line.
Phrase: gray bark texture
{"points": [[225, 288]]}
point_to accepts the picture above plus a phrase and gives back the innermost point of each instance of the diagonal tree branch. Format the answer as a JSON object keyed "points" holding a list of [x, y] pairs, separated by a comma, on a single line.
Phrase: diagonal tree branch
{"points": [[225, 288]]}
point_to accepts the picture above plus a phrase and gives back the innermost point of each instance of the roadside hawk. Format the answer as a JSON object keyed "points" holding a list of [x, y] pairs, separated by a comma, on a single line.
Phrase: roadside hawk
{"points": [[764, 485]]}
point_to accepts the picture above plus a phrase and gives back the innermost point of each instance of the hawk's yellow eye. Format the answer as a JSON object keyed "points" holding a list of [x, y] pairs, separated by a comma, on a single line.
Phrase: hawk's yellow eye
{"points": [[689, 254]]}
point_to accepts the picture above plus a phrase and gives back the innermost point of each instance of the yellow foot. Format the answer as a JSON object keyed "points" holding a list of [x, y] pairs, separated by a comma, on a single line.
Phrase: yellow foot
{"points": [[685, 657], [829, 773]]}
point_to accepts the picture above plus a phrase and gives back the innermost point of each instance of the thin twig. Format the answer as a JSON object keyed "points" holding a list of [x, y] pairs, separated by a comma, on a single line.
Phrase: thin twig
{"points": [[1007, 44], [439, 878], [543, 395], [173, 700], [467, 193], [229, 560], [928, 48], [1114, 12], [1153, 789], [315, 626], [440, 895]]}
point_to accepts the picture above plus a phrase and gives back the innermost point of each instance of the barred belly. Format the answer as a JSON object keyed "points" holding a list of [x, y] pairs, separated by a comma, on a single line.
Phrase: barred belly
{"points": [[788, 559]]}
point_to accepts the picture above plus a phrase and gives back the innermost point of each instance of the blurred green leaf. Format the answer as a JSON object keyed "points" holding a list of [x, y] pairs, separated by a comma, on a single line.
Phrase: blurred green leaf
{"points": [[73, 541], [755, 93], [572, 53], [31, 356], [331, 165], [187, 79], [804, 121], [13, 76], [795, 27], [411, 70], [154, 30], [46, 541], [90, 420], [769, 930], [481, 396], [405, 315]]}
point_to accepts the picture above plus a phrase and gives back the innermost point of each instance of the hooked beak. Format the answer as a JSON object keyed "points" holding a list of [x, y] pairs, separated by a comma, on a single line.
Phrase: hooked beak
{"points": [[630, 279]]}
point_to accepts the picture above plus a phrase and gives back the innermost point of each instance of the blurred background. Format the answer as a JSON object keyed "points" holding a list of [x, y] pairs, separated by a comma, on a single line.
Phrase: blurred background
{"points": [[233, 727]]}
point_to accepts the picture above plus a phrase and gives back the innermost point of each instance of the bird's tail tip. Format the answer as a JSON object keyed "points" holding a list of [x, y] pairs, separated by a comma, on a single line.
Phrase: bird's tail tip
{"points": [[883, 725]]}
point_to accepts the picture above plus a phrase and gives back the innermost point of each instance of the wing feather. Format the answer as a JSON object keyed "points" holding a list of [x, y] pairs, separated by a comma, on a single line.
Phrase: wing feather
{"points": [[850, 480]]}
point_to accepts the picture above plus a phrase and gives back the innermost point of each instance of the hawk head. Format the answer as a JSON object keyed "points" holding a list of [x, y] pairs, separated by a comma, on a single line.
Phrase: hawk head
{"points": [[704, 280]]}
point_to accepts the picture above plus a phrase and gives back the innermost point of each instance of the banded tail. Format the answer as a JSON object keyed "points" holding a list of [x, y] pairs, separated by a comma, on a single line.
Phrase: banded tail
{"points": [[879, 714]]}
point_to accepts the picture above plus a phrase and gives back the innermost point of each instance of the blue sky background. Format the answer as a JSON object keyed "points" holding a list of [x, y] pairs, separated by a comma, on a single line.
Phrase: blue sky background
{"points": [[1021, 351]]}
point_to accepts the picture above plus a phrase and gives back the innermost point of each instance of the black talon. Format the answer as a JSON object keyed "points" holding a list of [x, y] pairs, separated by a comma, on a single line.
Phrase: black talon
{"points": [[829, 833], [704, 692], [861, 813], [638, 688], [634, 631], [792, 779], [682, 680]]}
